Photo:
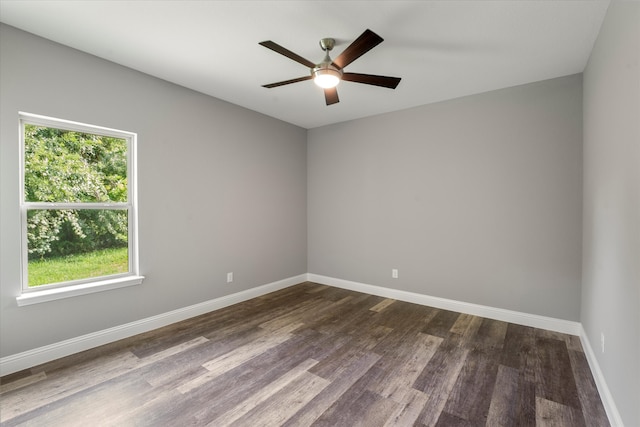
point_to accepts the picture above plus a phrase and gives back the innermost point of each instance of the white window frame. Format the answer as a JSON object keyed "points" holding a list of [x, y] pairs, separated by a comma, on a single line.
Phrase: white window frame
{"points": [[72, 288]]}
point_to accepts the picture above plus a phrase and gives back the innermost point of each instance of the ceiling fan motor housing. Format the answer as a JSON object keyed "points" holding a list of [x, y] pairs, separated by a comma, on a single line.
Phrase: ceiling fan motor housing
{"points": [[325, 74]]}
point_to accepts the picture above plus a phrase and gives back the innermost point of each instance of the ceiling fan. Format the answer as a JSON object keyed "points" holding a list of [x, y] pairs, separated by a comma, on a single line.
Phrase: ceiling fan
{"points": [[328, 73]]}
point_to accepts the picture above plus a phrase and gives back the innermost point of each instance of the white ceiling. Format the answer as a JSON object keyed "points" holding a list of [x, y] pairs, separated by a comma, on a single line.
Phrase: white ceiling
{"points": [[441, 49]]}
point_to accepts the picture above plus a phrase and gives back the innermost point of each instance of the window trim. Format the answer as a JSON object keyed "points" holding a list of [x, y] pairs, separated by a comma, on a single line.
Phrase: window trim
{"points": [[72, 288], [52, 294]]}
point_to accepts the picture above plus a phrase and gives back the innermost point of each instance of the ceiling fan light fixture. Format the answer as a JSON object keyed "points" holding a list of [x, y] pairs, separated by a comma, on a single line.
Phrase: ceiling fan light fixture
{"points": [[326, 78]]}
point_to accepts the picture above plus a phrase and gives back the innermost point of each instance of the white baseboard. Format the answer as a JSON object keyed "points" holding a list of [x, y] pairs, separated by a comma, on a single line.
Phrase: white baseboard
{"points": [[605, 394], [525, 319], [37, 356]]}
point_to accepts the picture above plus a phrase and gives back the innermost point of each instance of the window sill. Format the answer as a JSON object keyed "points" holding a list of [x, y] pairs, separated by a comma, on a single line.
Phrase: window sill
{"points": [[38, 297]]}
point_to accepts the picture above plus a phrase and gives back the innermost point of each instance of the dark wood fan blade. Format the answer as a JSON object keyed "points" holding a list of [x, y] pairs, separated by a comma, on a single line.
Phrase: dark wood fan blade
{"points": [[363, 44], [286, 82], [370, 79], [331, 96], [286, 52]]}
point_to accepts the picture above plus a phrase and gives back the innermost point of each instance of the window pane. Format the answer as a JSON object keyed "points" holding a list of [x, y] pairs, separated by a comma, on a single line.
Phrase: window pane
{"points": [[69, 166], [74, 244]]}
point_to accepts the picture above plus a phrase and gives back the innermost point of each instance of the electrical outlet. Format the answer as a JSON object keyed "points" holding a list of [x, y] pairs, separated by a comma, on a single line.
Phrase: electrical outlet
{"points": [[230, 277], [602, 341], [394, 273]]}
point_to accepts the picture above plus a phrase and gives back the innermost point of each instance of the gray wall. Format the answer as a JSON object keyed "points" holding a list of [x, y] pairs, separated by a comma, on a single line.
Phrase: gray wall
{"points": [[477, 199], [221, 188], [611, 251]]}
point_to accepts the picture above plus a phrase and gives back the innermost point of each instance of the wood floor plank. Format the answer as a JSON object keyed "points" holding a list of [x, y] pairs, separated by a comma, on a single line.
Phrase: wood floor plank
{"points": [[146, 404], [554, 414], [466, 325], [409, 364], [347, 318], [186, 366], [404, 316], [297, 315], [234, 358], [263, 394], [319, 288], [282, 405], [378, 410], [328, 397], [470, 397], [353, 404], [554, 376], [503, 411], [526, 402], [213, 398], [439, 377], [78, 409], [58, 385], [382, 305], [519, 350], [573, 343], [182, 367], [593, 412], [214, 325], [448, 420], [489, 336], [22, 382], [406, 321], [316, 355], [177, 349], [408, 413], [441, 324], [354, 347]]}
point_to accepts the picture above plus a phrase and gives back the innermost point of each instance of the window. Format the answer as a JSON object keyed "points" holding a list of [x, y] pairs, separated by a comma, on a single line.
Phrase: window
{"points": [[78, 209]]}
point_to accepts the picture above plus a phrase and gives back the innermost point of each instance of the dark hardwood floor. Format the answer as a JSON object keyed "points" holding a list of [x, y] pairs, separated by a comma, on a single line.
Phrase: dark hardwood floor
{"points": [[321, 356]]}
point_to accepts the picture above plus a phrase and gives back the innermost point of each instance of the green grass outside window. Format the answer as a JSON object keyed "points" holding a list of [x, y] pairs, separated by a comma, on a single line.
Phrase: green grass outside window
{"points": [[98, 263]]}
